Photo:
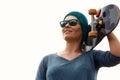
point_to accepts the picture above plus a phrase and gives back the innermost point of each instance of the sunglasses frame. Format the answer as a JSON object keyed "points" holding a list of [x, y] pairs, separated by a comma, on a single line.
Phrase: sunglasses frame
{"points": [[71, 22]]}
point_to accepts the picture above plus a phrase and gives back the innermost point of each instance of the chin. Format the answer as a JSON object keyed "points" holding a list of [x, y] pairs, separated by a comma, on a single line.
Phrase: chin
{"points": [[67, 38]]}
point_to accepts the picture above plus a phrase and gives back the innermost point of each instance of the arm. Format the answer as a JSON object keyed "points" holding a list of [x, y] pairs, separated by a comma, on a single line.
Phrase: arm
{"points": [[114, 44]]}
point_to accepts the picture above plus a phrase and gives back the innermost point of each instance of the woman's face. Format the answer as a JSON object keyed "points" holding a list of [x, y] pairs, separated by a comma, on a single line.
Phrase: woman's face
{"points": [[72, 32]]}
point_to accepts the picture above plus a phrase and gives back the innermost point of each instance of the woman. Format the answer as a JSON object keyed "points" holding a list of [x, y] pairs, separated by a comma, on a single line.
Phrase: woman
{"points": [[73, 63]]}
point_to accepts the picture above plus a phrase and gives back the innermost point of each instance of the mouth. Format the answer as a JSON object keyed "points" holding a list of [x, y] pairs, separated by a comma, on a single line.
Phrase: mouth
{"points": [[67, 31]]}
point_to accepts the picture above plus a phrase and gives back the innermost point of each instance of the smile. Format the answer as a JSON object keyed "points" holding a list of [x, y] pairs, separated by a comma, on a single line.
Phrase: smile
{"points": [[67, 31]]}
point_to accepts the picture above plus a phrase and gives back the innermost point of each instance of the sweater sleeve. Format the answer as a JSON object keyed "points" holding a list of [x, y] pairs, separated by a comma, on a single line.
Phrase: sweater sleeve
{"points": [[105, 59], [41, 72]]}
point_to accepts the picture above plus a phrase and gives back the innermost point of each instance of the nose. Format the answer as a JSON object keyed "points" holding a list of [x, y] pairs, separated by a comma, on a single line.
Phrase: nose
{"points": [[67, 25]]}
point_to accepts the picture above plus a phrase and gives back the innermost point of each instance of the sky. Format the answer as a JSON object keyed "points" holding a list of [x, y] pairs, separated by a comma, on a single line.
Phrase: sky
{"points": [[29, 30]]}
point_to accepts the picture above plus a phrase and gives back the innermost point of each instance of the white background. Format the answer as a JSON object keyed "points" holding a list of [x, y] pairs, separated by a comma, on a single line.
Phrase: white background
{"points": [[29, 30]]}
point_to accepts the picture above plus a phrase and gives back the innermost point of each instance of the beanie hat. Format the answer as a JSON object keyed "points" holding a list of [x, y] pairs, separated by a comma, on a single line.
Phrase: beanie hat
{"points": [[84, 23]]}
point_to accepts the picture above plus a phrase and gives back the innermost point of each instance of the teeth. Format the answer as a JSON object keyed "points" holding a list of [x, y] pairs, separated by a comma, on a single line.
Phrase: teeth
{"points": [[68, 31]]}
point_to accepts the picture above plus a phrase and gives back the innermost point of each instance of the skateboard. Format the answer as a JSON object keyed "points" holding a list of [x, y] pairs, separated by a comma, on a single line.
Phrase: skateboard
{"points": [[105, 22]]}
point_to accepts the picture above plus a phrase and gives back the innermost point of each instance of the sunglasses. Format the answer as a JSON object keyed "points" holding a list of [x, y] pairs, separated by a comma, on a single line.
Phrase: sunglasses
{"points": [[72, 22]]}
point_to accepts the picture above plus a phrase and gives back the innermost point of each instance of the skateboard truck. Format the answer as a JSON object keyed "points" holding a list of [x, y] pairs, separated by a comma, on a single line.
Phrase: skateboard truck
{"points": [[95, 26], [93, 32]]}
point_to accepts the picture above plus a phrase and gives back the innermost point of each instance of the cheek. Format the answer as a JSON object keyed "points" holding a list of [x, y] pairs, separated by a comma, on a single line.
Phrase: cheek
{"points": [[78, 30], [78, 33]]}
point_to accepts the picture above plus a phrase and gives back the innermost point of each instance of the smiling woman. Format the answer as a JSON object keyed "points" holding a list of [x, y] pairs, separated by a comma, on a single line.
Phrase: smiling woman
{"points": [[74, 63], [30, 30]]}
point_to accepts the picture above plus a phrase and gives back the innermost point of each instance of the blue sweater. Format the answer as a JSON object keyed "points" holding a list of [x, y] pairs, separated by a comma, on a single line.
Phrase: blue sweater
{"points": [[83, 67]]}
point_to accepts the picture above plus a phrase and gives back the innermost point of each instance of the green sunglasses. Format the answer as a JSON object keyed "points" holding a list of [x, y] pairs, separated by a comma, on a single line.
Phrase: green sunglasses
{"points": [[72, 22]]}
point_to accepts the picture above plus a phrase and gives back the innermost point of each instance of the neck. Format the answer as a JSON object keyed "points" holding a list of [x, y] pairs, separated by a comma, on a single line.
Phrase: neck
{"points": [[73, 47]]}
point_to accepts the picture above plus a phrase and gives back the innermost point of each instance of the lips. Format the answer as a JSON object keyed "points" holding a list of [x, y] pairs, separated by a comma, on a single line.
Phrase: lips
{"points": [[67, 31]]}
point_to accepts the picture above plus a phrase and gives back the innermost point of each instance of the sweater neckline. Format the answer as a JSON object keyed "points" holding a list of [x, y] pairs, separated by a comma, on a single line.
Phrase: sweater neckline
{"points": [[68, 59]]}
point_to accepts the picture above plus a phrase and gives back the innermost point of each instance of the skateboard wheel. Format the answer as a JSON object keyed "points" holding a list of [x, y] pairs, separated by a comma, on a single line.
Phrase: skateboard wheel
{"points": [[93, 34], [100, 22], [92, 11]]}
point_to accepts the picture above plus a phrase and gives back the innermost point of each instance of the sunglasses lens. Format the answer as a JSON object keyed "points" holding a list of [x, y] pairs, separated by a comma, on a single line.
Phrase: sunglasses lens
{"points": [[73, 22], [63, 23]]}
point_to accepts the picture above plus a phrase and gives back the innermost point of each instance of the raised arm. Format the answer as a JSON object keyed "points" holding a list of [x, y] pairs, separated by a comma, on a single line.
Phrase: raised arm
{"points": [[114, 44]]}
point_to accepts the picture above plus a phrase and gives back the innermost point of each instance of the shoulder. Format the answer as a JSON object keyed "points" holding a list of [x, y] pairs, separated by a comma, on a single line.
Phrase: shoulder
{"points": [[46, 58], [97, 52], [91, 52], [102, 55], [49, 56]]}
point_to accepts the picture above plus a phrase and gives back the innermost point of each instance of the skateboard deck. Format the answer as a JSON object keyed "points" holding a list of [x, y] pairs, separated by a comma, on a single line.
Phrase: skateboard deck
{"points": [[105, 22]]}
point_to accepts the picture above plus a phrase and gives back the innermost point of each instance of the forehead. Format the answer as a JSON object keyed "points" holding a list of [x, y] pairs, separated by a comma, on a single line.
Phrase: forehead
{"points": [[70, 17]]}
